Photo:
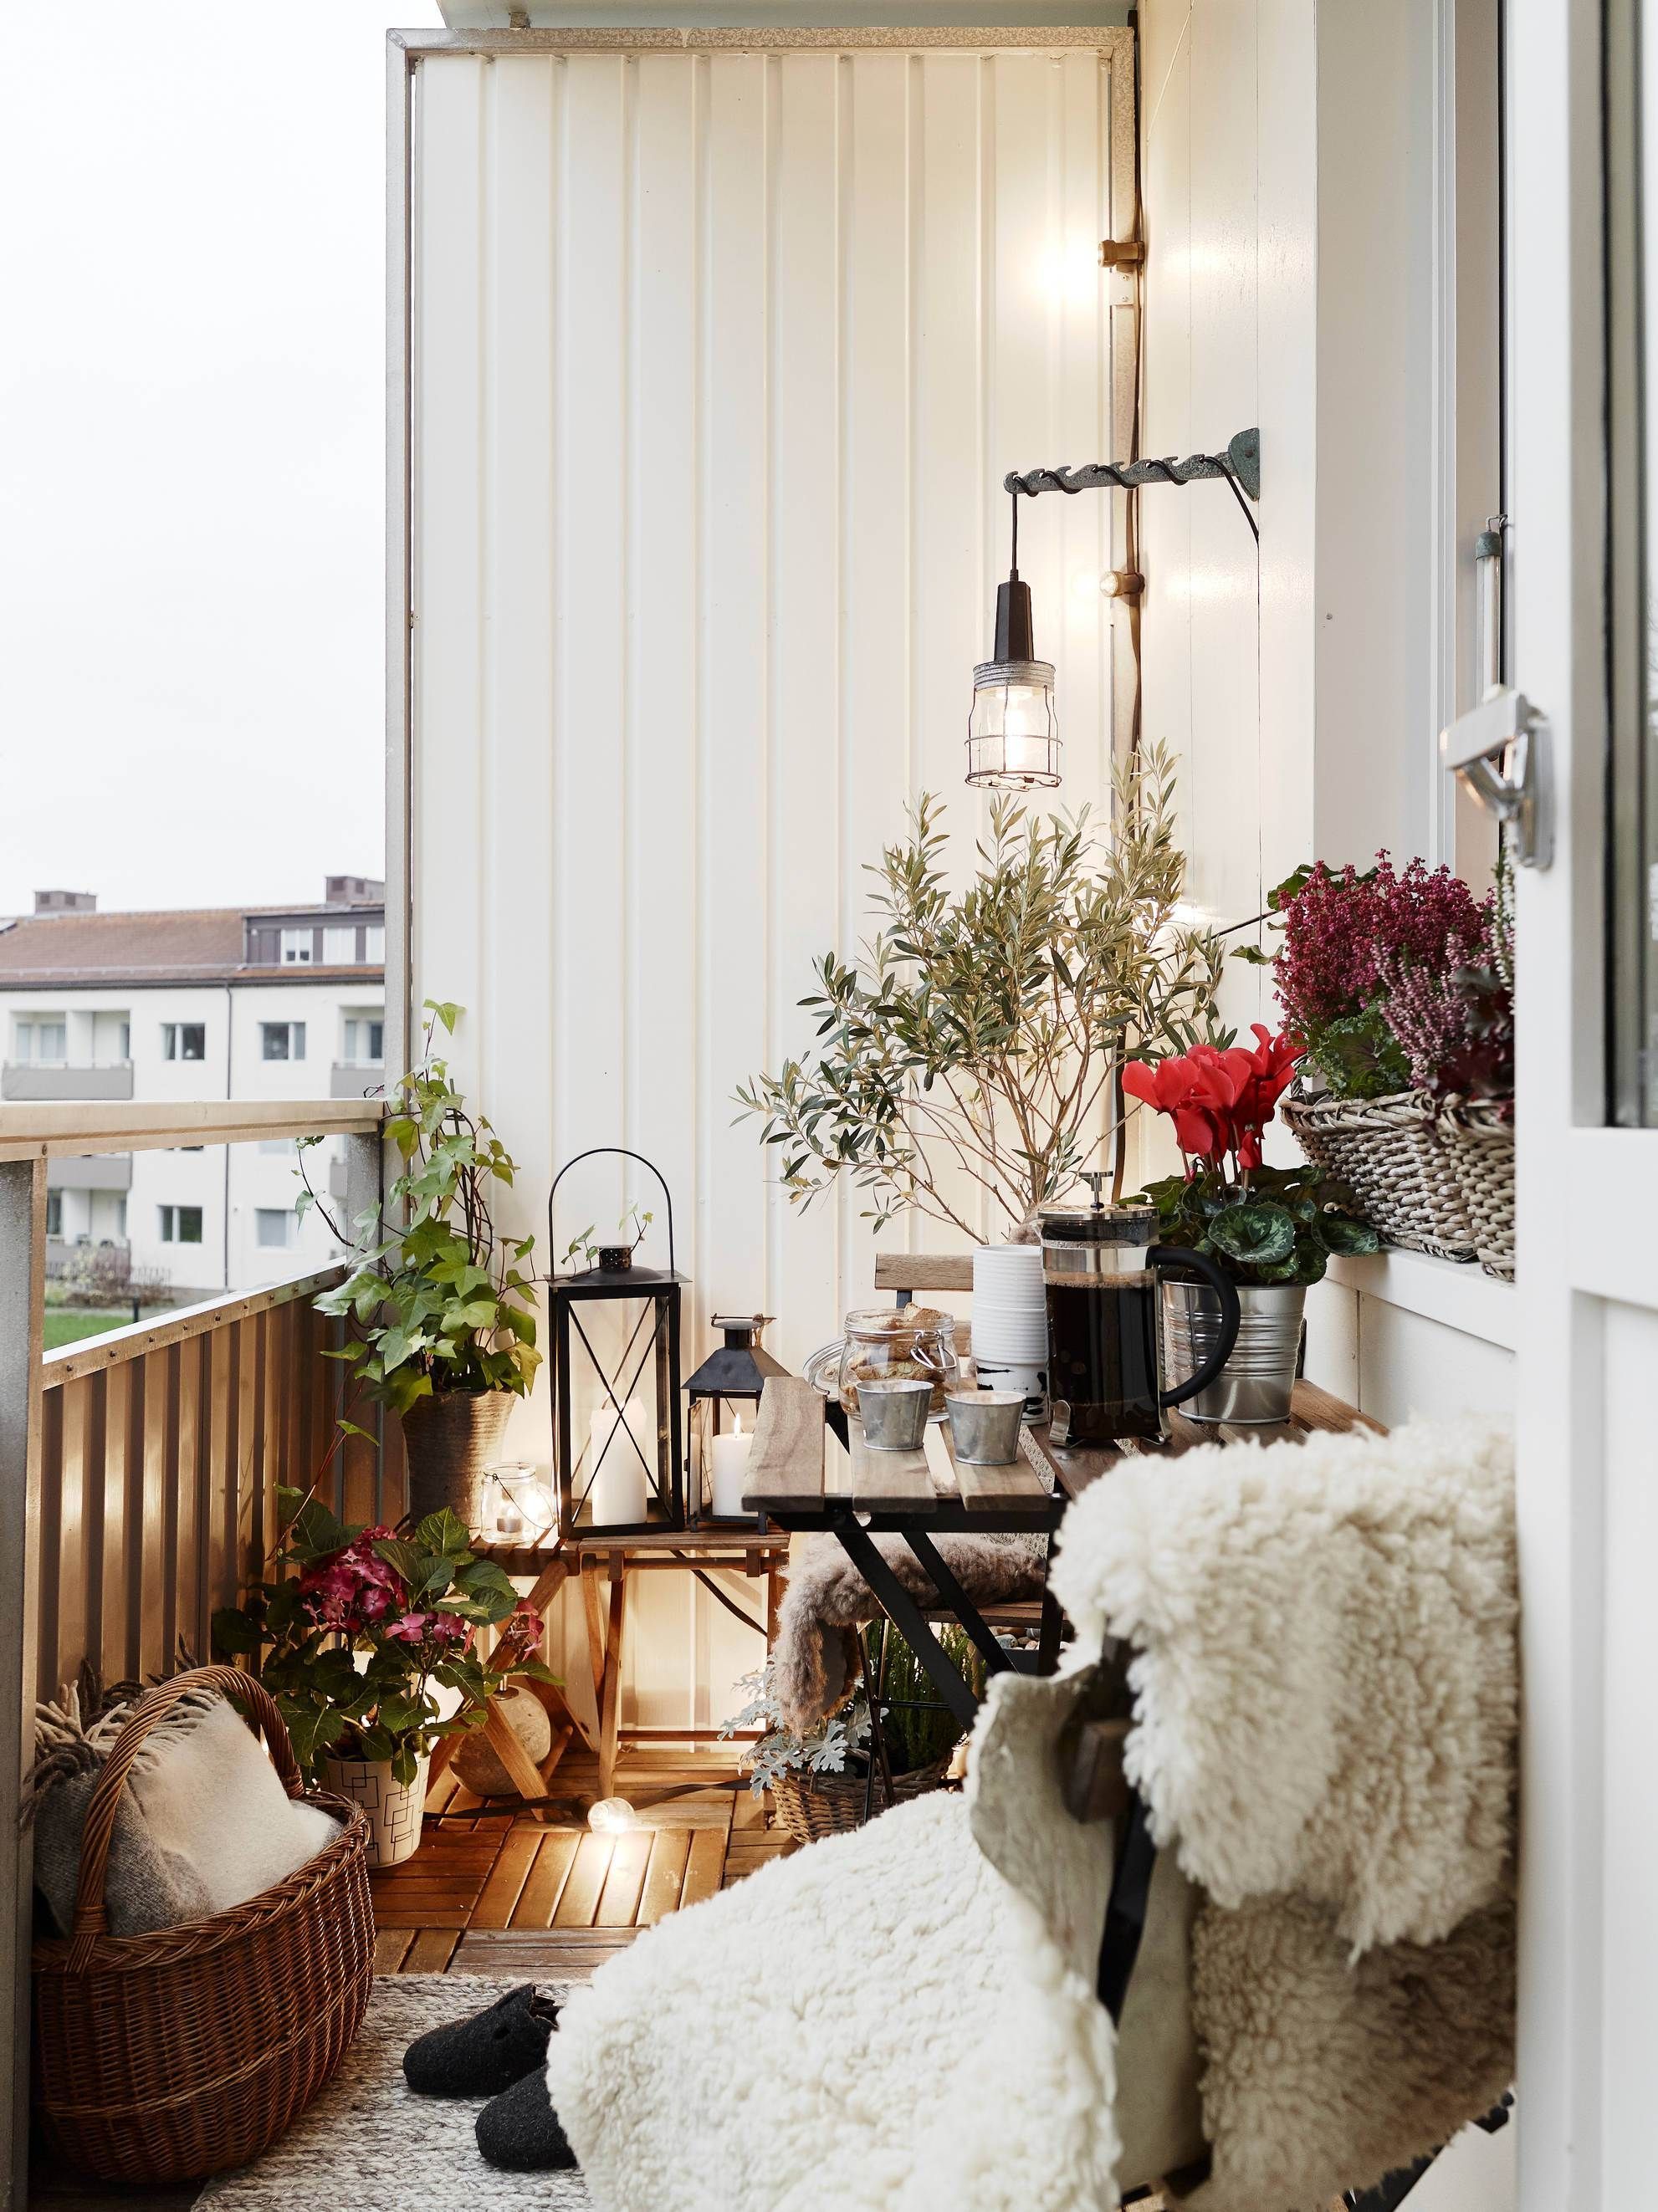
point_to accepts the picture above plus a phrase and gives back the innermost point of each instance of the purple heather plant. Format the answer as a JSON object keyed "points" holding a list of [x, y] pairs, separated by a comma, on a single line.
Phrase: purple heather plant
{"points": [[1357, 944]]}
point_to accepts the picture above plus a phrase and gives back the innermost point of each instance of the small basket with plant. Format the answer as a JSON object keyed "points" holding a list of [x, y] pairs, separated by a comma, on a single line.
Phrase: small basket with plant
{"points": [[820, 1781]]}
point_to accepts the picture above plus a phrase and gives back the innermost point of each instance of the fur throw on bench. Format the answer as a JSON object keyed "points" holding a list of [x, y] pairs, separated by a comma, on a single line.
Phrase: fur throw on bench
{"points": [[827, 1600], [904, 2018]]}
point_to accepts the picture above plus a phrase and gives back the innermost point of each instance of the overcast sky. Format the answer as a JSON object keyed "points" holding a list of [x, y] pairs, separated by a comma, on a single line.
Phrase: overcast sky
{"points": [[192, 255]]}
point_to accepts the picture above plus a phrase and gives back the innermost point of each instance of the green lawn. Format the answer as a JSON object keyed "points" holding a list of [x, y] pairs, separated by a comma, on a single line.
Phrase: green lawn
{"points": [[68, 1324]]}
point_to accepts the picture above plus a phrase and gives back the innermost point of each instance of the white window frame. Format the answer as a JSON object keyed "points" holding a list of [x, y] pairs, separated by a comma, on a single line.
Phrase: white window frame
{"points": [[173, 1038], [266, 1217], [172, 1224], [295, 1042]]}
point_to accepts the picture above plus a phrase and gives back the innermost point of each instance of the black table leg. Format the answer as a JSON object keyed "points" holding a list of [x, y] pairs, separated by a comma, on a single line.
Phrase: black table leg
{"points": [[912, 1624], [949, 1588]]}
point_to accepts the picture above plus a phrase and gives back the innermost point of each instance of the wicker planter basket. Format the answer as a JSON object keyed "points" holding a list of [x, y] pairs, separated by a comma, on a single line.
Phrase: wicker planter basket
{"points": [[1392, 1155], [1482, 1147], [165, 2058], [812, 1806]]}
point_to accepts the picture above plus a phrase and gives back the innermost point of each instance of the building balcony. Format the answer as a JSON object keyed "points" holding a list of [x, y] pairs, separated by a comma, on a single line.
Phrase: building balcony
{"points": [[102, 1171], [36, 1081], [356, 1079]]}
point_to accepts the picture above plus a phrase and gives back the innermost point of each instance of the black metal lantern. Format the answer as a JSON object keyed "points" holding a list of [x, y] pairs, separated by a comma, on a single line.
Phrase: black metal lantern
{"points": [[623, 1472], [727, 1380]]}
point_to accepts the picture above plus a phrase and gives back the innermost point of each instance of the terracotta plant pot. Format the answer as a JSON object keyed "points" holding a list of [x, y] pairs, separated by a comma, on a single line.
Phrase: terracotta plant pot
{"points": [[395, 1809], [449, 1440]]}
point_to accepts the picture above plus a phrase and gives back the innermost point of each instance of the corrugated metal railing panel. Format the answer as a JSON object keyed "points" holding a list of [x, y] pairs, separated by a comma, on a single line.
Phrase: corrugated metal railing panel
{"points": [[159, 1472]]}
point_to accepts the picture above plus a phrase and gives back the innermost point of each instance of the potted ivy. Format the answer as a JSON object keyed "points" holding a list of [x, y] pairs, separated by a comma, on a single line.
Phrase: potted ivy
{"points": [[355, 1635], [444, 1334], [1272, 1230]]}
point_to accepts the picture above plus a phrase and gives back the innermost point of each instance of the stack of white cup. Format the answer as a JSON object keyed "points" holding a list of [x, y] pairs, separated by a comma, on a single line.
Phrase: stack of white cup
{"points": [[1010, 1323]]}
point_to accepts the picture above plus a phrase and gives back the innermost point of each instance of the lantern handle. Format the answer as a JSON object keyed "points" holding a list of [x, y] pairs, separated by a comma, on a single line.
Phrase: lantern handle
{"points": [[621, 1152]]}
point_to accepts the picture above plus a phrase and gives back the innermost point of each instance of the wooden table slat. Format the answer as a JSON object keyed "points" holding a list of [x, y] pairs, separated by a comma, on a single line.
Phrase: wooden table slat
{"points": [[785, 1461], [889, 1481]]}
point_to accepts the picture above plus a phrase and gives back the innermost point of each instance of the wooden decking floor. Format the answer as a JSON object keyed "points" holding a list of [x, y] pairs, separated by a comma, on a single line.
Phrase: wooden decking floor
{"points": [[506, 1893]]}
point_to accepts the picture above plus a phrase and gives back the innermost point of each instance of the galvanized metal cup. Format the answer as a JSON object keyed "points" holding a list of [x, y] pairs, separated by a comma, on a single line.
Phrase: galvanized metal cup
{"points": [[895, 1413], [985, 1426]]}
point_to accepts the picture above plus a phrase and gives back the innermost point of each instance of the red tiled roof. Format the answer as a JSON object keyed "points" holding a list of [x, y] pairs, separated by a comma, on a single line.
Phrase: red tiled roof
{"points": [[200, 945]]}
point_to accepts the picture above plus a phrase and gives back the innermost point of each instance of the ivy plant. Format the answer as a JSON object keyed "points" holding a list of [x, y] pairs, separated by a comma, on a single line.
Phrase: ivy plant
{"points": [[439, 1302]]}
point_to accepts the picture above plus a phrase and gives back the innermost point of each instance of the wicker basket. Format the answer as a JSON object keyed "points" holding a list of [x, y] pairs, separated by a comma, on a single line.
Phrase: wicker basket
{"points": [[812, 1806], [167, 2057], [1482, 1146], [1392, 1155]]}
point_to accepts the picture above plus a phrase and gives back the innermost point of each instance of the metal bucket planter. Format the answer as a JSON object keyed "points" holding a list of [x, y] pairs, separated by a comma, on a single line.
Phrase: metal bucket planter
{"points": [[450, 1440], [1254, 1385]]}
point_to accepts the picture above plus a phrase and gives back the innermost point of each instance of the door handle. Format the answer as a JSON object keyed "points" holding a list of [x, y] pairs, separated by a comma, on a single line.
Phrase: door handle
{"points": [[1499, 750]]}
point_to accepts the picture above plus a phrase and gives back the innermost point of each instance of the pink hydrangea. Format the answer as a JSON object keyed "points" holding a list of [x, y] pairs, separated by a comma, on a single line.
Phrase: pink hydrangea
{"points": [[438, 1632], [354, 1588]]}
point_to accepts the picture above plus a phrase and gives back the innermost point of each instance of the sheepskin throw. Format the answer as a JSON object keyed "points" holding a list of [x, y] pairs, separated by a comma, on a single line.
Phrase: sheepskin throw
{"points": [[1325, 1674], [827, 1599], [870, 2025], [903, 2019]]}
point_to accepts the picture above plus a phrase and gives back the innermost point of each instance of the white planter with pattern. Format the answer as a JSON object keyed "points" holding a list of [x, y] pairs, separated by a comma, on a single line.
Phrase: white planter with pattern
{"points": [[395, 1809]]}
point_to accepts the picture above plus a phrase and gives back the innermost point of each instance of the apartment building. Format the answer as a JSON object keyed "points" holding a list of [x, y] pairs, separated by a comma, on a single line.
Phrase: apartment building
{"points": [[217, 1003]]}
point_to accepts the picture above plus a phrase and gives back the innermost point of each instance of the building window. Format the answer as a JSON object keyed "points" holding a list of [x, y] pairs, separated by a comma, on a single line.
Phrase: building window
{"points": [[278, 1145], [120, 1219], [126, 1040], [44, 1039], [374, 942], [54, 1213], [184, 1040], [275, 1226], [181, 1225], [282, 1040], [298, 947], [339, 945], [365, 1040]]}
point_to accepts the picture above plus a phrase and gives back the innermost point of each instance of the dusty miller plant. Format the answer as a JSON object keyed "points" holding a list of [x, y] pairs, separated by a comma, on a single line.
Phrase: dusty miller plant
{"points": [[983, 1032]]}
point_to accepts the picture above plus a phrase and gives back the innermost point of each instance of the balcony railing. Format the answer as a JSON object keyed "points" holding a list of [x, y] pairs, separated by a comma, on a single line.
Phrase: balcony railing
{"points": [[353, 1078], [35, 1079], [98, 1171], [137, 1469]]}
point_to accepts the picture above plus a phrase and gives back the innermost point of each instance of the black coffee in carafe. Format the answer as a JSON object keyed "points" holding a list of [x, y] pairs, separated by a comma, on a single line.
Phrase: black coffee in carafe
{"points": [[1102, 1359], [1100, 1266]]}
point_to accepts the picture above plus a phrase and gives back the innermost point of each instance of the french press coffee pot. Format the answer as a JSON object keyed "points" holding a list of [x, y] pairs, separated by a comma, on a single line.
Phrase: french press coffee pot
{"points": [[1099, 1269]]}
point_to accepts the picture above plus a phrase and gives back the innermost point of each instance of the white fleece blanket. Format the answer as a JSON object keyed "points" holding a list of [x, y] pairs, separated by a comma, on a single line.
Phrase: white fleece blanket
{"points": [[1325, 1678], [883, 2023]]}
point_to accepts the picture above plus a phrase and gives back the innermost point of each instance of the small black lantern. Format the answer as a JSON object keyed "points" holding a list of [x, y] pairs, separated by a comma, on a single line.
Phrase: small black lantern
{"points": [[624, 1474], [727, 1380]]}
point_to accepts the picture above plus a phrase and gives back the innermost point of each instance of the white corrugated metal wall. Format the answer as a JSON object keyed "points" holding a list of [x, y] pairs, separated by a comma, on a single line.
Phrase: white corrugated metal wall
{"points": [[718, 360]]}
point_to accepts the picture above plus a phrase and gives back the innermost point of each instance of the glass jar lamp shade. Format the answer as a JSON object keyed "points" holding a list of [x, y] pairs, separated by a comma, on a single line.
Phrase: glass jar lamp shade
{"points": [[1013, 739]]}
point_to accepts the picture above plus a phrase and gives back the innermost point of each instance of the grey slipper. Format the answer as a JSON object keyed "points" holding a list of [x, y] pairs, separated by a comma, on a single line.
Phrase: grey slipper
{"points": [[485, 2054], [520, 2130]]}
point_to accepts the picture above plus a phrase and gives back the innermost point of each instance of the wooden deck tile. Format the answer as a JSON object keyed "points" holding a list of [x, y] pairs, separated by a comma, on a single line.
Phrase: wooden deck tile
{"points": [[390, 1945], [539, 1899], [507, 1878], [618, 1901], [430, 1950], [703, 1868], [670, 1849], [580, 1900]]}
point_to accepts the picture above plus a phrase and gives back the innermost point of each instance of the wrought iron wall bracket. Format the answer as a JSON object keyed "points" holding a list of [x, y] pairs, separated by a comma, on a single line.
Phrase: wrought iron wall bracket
{"points": [[1239, 465]]}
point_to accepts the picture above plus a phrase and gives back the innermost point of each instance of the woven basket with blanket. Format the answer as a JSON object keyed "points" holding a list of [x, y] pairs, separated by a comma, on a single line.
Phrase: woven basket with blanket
{"points": [[187, 2045]]}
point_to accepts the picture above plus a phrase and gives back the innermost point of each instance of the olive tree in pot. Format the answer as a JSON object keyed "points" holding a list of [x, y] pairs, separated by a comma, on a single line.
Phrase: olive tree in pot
{"points": [[443, 1331], [1272, 1230], [979, 1037]]}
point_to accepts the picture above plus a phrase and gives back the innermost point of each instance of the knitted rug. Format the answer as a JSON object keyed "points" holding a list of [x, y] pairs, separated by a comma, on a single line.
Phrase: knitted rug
{"points": [[368, 2144]]}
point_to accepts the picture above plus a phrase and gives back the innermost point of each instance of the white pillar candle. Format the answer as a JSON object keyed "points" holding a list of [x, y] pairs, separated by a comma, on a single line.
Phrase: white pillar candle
{"points": [[730, 1473], [618, 1492]]}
